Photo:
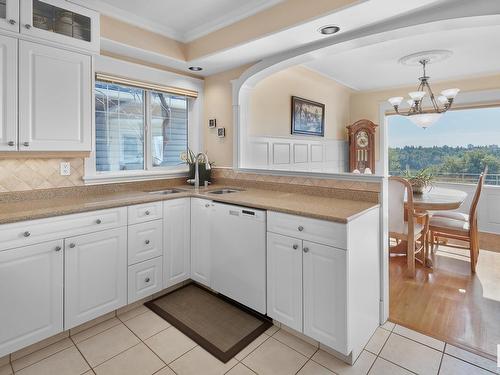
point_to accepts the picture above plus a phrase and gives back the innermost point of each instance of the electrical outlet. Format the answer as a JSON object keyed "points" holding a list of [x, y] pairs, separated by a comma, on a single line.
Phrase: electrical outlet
{"points": [[65, 168]]}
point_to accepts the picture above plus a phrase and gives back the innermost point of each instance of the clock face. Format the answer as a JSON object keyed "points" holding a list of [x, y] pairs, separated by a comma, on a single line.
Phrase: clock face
{"points": [[362, 139]]}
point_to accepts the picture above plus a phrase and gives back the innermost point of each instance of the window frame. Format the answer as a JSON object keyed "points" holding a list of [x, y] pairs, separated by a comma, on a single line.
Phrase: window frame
{"points": [[146, 74]]}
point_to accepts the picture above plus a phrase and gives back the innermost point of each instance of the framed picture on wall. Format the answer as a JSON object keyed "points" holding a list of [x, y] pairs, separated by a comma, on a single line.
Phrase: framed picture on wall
{"points": [[308, 117]]}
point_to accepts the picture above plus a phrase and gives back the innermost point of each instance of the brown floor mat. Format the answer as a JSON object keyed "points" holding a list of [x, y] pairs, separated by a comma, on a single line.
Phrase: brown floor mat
{"points": [[217, 324]]}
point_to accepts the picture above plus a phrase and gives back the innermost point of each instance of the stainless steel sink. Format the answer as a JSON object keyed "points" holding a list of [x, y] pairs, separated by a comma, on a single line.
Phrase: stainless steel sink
{"points": [[224, 191], [166, 192]]}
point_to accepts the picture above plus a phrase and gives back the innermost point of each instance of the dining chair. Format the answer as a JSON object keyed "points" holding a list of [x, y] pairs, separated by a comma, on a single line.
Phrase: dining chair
{"points": [[410, 231], [460, 226]]}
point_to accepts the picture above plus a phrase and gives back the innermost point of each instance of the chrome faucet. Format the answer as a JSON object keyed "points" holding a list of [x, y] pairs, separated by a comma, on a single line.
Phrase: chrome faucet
{"points": [[197, 168]]}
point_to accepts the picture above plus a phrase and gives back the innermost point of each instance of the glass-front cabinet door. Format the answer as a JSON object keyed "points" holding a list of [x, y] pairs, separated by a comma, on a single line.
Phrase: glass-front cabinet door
{"points": [[61, 21], [9, 15]]}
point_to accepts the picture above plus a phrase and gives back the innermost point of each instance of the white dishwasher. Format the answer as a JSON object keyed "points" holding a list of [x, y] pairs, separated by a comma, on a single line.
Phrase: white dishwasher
{"points": [[238, 245]]}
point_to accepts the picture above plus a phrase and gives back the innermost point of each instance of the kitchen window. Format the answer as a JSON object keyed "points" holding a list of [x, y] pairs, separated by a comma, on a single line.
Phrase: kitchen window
{"points": [[138, 129]]}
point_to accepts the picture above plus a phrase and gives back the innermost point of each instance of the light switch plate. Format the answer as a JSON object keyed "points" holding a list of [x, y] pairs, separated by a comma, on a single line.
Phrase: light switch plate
{"points": [[65, 168]]}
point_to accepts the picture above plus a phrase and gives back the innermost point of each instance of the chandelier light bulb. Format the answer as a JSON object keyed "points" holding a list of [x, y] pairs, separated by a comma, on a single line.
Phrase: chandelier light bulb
{"points": [[395, 101], [450, 93]]}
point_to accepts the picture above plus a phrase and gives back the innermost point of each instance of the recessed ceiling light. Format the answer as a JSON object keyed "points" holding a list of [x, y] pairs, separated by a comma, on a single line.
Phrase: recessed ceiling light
{"points": [[329, 30], [195, 68]]}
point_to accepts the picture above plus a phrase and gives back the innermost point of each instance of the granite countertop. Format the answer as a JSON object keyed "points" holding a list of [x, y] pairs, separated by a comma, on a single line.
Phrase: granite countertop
{"points": [[319, 207]]}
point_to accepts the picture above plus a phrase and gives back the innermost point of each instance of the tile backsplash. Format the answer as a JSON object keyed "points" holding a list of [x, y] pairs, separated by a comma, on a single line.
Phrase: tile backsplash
{"points": [[31, 174]]}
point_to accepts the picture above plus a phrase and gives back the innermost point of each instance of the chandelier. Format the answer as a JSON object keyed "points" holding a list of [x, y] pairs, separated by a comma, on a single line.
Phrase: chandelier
{"points": [[421, 115]]}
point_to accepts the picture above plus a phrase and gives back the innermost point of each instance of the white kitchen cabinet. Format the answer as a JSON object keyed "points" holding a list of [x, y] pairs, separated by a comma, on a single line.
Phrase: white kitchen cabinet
{"points": [[31, 295], [61, 22], [95, 275], [284, 280], [145, 278], [176, 241], [8, 93], [9, 15], [55, 92], [145, 241], [325, 294], [200, 240]]}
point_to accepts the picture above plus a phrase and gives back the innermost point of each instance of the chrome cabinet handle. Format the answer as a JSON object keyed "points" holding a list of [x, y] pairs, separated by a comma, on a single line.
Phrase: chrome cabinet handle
{"points": [[306, 249], [295, 246], [72, 245], [300, 228], [12, 22], [147, 242], [98, 221], [27, 234], [147, 279], [11, 143], [26, 144], [58, 248], [27, 26]]}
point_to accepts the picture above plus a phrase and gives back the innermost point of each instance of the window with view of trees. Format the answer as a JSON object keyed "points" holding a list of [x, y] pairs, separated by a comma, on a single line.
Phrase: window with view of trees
{"points": [[454, 149], [126, 115]]}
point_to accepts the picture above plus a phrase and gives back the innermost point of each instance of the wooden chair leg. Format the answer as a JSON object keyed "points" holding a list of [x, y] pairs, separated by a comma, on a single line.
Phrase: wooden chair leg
{"points": [[474, 250], [432, 240], [410, 257]]}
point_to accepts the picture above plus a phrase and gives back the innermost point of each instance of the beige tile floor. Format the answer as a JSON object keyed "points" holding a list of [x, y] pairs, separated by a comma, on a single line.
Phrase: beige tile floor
{"points": [[138, 342]]}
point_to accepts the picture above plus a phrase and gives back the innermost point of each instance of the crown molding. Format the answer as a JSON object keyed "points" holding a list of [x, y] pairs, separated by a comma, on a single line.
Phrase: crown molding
{"points": [[229, 18], [169, 32]]}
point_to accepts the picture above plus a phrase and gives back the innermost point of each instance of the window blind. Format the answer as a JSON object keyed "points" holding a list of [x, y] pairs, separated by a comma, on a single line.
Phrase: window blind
{"points": [[145, 85]]}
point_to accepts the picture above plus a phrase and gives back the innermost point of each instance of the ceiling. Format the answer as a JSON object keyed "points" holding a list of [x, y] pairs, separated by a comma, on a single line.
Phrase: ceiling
{"points": [[476, 52], [183, 20]]}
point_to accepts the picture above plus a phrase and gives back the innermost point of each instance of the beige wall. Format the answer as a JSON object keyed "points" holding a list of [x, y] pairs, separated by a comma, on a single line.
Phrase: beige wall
{"points": [[219, 105], [270, 102], [365, 105]]}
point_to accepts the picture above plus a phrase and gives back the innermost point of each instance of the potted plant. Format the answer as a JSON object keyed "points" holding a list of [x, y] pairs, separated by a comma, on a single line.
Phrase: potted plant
{"points": [[189, 158], [419, 180]]}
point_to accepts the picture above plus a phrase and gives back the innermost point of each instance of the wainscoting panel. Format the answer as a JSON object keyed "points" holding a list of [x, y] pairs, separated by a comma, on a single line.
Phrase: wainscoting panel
{"points": [[296, 154]]}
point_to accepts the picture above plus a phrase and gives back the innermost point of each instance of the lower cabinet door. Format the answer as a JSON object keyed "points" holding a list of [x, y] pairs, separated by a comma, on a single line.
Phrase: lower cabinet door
{"points": [[325, 295], [176, 239], [95, 275], [31, 295], [284, 280], [144, 279], [200, 240]]}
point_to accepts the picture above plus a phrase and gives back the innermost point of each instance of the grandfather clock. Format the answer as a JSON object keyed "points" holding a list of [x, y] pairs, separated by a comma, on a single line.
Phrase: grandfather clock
{"points": [[362, 146]]}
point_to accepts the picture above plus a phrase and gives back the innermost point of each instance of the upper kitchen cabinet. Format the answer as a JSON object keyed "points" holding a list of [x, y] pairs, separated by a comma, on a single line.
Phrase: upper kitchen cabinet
{"points": [[61, 22], [9, 15], [8, 93], [55, 93]]}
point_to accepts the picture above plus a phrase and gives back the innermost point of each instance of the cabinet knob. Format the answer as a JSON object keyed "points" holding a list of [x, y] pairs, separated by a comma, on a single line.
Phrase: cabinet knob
{"points": [[72, 245], [207, 205], [98, 221], [147, 242], [306, 249], [11, 143], [12, 22], [295, 246], [26, 144], [27, 26], [27, 234], [147, 213], [58, 248], [300, 228], [147, 279]]}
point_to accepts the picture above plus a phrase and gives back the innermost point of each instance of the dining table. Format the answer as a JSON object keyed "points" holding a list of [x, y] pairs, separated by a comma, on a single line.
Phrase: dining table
{"points": [[433, 198]]}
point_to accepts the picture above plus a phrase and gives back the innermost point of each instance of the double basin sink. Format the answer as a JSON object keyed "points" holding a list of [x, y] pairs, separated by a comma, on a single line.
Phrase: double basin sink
{"points": [[175, 191]]}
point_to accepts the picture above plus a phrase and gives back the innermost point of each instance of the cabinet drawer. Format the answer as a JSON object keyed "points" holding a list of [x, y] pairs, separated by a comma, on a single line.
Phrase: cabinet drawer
{"points": [[35, 231], [144, 279], [141, 213], [320, 231], [145, 241]]}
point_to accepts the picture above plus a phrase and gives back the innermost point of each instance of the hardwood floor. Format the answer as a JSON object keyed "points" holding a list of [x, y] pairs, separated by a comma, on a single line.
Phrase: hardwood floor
{"points": [[447, 302]]}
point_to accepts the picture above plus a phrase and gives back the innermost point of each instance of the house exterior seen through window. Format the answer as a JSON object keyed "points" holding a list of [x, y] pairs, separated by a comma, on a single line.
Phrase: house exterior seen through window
{"points": [[138, 129]]}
